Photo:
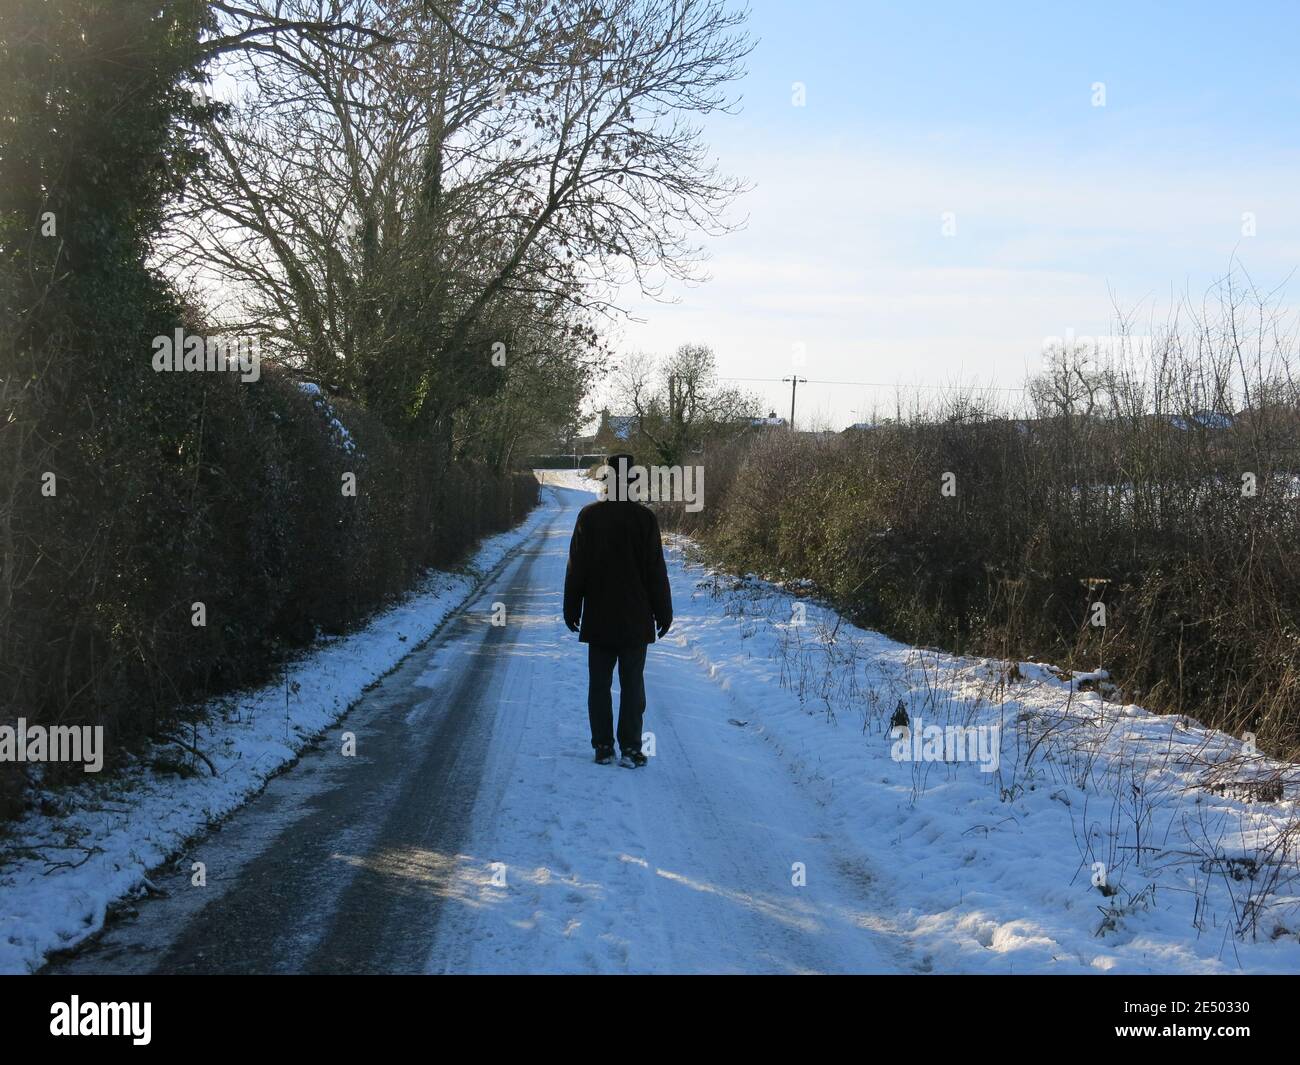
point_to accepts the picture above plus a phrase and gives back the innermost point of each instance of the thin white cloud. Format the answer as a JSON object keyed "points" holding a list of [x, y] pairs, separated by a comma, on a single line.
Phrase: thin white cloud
{"points": [[843, 253]]}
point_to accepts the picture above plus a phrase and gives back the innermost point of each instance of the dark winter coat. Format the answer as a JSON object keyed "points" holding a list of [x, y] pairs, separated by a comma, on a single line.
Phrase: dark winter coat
{"points": [[617, 583]]}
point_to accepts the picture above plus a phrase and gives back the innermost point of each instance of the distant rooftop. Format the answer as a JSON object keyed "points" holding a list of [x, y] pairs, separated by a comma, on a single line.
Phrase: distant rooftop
{"points": [[1205, 419]]}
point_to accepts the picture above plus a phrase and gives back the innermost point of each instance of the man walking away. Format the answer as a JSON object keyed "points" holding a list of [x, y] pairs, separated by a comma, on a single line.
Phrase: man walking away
{"points": [[616, 598]]}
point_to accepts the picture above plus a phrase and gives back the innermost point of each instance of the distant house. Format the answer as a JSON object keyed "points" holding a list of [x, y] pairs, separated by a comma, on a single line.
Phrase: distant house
{"points": [[770, 422], [614, 431]]}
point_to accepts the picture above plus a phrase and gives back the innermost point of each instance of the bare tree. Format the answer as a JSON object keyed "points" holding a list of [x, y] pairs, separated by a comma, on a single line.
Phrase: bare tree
{"points": [[679, 403], [384, 190]]}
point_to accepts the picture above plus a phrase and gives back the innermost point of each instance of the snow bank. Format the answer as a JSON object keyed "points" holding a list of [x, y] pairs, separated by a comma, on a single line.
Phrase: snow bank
{"points": [[1108, 839], [576, 479]]}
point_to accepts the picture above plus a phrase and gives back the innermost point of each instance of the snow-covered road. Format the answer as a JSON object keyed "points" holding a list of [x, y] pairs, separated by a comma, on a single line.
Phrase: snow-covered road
{"points": [[777, 827], [472, 832]]}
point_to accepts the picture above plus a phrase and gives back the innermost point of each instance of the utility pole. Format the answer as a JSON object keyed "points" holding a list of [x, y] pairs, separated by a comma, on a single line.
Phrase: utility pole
{"points": [[795, 381]]}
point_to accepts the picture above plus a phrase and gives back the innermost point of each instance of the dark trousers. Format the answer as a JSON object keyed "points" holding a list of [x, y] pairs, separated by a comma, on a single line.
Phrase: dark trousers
{"points": [[631, 699]]}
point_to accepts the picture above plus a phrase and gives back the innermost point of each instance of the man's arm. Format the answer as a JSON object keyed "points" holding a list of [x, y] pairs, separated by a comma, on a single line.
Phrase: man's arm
{"points": [[661, 596], [575, 577]]}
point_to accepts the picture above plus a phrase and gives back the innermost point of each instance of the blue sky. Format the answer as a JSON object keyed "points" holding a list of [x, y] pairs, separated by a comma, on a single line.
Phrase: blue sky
{"points": [[983, 115]]}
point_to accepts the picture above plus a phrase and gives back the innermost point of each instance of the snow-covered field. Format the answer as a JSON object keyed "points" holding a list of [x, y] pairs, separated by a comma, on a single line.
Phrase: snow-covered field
{"points": [[89, 846]]}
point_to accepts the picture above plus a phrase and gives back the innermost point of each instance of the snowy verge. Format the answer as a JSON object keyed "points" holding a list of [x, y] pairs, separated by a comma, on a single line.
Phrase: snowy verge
{"points": [[85, 847], [1105, 839]]}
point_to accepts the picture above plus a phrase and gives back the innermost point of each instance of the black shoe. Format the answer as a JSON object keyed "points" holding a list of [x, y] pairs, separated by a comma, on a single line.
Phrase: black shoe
{"points": [[604, 755], [632, 760]]}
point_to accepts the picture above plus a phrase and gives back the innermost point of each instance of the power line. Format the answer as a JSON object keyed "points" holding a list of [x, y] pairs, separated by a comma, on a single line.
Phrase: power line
{"points": [[869, 384]]}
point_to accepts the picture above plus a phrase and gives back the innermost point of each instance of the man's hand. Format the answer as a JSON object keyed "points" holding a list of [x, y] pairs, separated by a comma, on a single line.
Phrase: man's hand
{"points": [[663, 629], [572, 625]]}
